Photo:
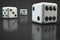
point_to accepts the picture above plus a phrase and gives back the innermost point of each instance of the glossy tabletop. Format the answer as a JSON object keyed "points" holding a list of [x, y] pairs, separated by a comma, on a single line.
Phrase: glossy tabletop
{"points": [[23, 28]]}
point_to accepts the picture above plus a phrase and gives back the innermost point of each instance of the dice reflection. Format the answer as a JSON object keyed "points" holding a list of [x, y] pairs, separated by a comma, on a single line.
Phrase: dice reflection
{"points": [[23, 19], [10, 25], [43, 32]]}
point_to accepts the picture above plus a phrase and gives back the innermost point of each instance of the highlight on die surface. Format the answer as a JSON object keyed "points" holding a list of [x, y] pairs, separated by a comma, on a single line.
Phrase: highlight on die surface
{"points": [[44, 12], [9, 12]]}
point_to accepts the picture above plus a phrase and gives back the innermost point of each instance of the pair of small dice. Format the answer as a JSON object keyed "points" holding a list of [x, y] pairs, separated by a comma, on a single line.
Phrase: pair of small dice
{"points": [[9, 12], [44, 12]]}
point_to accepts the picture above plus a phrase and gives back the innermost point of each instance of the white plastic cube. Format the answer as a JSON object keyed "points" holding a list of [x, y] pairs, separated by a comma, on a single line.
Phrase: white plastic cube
{"points": [[44, 12], [9, 12], [23, 12]]}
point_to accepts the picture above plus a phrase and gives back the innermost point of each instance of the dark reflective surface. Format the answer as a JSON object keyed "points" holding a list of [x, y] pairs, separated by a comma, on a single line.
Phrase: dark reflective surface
{"points": [[22, 28], [10, 25], [23, 19], [23, 31], [43, 32]]}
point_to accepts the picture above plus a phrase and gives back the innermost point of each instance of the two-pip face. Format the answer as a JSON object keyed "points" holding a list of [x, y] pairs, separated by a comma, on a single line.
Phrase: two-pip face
{"points": [[44, 12], [9, 12]]}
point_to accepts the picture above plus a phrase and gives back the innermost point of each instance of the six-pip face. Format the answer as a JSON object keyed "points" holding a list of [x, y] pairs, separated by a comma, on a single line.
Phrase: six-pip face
{"points": [[50, 12]]}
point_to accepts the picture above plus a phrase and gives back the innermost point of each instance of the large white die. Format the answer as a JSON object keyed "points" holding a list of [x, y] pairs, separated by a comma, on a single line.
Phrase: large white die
{"points": [[44, 12], [9, 12]]}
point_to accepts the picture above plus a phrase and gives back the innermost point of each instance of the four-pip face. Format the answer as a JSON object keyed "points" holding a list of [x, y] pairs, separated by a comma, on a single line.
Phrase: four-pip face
{"points": [[5, 12]]}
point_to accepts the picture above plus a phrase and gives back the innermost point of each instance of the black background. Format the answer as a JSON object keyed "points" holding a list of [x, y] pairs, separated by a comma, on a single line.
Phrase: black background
{"points": [[24, 29]]}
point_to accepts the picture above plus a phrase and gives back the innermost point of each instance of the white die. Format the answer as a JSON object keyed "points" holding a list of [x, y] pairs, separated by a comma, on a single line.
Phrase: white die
{"points": [[9, 12], [10, 25], [23, 12], [44, 32], [44, 12]]}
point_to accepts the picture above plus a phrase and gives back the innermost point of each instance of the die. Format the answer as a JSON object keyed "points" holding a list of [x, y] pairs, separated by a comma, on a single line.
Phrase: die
{"points": [[43, 32], [10, 25], [9, 12], [44, 12], [23, 12]]}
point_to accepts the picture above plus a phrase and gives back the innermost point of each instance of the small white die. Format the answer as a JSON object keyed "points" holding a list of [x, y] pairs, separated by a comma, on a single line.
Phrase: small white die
{"points": [[23, 12], [9, 12]]}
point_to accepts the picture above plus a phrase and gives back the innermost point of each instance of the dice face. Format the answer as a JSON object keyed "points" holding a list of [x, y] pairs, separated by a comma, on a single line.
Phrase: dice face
{"points": [[9, 12], [50, 13], [23, 12], [44, 12], [44, 32], [13, 12], [5, 13]]}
